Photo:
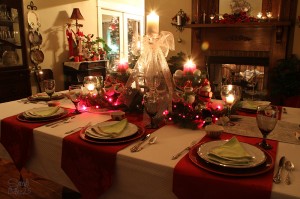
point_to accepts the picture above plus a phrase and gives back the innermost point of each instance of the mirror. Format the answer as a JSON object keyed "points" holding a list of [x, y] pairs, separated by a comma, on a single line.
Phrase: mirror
{"points": [[256, 7]]}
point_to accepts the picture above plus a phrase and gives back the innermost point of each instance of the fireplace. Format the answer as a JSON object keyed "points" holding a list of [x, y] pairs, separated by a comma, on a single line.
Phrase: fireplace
{"points": [[241, 46]]}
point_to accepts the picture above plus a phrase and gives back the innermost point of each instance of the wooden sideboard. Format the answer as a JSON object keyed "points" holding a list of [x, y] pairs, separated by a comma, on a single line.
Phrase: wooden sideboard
{"points": [[74, 72]]}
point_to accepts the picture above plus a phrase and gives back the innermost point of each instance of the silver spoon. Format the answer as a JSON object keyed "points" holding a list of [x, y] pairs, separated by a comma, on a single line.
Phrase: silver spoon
{"points": [[289, 166], [150, 142]]}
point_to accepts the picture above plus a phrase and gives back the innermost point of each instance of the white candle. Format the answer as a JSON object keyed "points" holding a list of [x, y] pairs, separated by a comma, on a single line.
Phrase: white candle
{"points": [[152, 24], [230, 99]]}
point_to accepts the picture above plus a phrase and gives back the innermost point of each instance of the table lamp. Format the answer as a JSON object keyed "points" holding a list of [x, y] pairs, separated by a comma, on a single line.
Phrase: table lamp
{"points": [[76, 15]]}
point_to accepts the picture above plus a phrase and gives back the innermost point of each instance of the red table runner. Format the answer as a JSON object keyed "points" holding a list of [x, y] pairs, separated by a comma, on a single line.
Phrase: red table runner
{"points": [[190, 181], [90, 166], [17, 138]]}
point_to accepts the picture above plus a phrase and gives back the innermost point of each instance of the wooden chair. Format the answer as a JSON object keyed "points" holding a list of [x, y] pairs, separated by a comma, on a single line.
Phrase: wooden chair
{"points": [[42, 75]]}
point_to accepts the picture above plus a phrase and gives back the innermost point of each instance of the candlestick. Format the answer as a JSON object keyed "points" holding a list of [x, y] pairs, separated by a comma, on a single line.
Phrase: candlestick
{"points": [[189, 67], [152, 24], [122, 66]]}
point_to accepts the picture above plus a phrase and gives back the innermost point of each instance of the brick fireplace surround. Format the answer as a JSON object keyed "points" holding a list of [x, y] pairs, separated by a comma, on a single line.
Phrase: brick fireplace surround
{"points": [[256, 43]]}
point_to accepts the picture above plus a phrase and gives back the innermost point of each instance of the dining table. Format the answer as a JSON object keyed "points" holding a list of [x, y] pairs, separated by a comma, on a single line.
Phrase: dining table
{"points": [[151, 172]]}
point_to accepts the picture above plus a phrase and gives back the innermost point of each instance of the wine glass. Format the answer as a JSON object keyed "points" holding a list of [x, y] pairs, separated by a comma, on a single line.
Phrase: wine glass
{"points": [[49, 87], [266, 119], [74, 94], [151, 105], [230, 95], [90, 82], [153, 80]]}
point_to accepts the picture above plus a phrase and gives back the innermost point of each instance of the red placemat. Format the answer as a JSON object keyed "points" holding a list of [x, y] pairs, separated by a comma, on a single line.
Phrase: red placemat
{"points": [[17, 138], [91, 166], [189, 181]]}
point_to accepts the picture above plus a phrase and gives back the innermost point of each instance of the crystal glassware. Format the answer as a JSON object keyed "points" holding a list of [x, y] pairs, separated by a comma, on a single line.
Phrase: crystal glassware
{"points": [[90, 83], [75, 94], [266, 119], [230, 94], [99, 83], [151, 105], [49, 87]]}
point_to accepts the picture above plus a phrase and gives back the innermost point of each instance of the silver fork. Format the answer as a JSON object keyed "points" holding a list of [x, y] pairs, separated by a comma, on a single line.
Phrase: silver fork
{"points": [[174, 157]]}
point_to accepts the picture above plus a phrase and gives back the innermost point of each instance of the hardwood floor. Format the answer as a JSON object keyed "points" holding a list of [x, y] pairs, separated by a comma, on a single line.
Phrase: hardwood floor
{"points": [[33, 187]]}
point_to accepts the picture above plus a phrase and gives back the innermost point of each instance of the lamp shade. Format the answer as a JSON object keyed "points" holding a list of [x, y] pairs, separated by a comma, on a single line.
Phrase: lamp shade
{"points": [[76, 15]]}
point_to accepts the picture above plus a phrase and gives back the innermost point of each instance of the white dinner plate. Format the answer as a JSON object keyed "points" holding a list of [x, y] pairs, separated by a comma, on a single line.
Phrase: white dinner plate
{"points": [[129, 130], [257, 154]]}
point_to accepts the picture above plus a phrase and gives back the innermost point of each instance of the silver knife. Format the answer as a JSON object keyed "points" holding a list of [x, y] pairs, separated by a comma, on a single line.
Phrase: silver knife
{"points": [[174, 157], [277, 177], [58, 121], [136, 147]]}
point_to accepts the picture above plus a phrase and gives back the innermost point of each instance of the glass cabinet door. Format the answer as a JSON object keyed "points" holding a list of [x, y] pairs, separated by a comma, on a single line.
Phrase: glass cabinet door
{"points": [[132, 39], [120, 31], [111, 31], [10, 42]]}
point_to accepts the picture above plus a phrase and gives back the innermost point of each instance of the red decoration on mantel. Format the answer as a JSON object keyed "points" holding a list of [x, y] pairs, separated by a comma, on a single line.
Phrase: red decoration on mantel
{"points": [[236, 18]]}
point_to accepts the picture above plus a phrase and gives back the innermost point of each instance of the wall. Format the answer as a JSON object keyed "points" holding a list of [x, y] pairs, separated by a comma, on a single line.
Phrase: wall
{"points": [[166, 10], [53, 16]]}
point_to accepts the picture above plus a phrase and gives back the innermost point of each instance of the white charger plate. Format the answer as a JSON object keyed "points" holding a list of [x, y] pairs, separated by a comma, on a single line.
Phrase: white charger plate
{"points": [[257, 154], [129, 130]]}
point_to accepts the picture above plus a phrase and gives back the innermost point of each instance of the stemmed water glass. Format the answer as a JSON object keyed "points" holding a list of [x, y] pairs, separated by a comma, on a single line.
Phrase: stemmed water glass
{"points": [[230, 95], [151, 105], [75, 94], [49, 87], [266, 119]]}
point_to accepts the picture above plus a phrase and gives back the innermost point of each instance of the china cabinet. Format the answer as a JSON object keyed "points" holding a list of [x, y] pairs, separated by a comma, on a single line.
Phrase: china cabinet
{"points": [[14, 71]]}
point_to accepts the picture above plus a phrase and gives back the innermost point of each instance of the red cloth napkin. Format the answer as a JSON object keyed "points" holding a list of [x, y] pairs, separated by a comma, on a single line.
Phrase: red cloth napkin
{"points": [[190, 181], [17, 138], [90, 166]]}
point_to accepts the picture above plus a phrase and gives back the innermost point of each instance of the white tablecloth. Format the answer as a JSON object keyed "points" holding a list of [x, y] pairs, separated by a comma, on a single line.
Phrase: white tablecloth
{"points": [[146, 174]]}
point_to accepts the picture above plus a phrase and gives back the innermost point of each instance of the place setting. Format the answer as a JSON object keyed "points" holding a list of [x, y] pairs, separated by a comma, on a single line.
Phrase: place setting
{"points": [[43, 114], [250, 106], [111, 132], [48, 94], [231, 157]]}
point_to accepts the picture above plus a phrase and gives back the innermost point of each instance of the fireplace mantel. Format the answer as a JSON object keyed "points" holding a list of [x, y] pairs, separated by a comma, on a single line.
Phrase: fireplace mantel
{"points": [[278, 25], [240, 25], [262, 42]]}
